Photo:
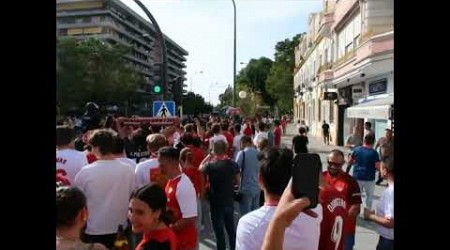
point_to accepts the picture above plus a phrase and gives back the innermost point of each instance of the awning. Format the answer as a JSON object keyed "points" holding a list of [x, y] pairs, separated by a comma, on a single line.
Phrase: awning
{"points": [[372, 109]]}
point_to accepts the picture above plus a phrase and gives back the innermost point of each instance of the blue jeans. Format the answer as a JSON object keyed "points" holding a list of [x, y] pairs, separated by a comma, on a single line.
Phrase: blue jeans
{"points": [[385, 244], [248, 203], [349, 242], [220, 217]]}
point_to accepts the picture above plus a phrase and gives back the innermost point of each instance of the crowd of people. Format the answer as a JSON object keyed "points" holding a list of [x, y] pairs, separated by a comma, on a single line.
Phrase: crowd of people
{"points": [[168, 186]]}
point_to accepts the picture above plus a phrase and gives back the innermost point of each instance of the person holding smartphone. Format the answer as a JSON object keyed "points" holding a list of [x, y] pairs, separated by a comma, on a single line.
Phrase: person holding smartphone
{"points": [[302, 233]]}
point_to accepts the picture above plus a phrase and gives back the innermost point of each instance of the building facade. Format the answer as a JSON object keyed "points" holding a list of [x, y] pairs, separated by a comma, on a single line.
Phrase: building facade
{"points": [[344, 69], [114, 22]]}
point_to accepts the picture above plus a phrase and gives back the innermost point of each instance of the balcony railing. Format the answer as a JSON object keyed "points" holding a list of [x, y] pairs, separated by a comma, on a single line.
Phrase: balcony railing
{"points": [[344, 58]]}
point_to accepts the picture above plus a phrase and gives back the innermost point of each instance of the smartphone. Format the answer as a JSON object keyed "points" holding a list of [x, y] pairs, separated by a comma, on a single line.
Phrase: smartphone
{"points": [[305, 177]]}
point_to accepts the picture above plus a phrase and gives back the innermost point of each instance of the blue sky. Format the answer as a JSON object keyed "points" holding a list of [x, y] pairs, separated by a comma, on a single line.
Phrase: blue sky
{"points": [[205, 29]]}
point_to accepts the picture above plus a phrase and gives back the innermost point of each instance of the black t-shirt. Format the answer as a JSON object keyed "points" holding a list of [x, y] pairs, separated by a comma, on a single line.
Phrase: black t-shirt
{"points": [[221, 179], [300, 144], [326, 128], [138, 153]]}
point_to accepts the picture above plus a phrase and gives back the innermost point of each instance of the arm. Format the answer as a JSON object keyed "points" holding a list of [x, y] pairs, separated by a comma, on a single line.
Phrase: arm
{"points": [[202, 166], [354, 198], [352, 159], [354, 210], [384, 221], [187, 201], [182, 223]]}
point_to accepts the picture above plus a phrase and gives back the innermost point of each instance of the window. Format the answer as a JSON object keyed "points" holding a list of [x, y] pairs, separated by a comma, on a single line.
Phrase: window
{"points": [[356, 41], [62, 32]]}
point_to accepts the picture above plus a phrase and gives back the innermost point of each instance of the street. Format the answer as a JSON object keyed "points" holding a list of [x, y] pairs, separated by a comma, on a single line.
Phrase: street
{"points": [[366, 237]]}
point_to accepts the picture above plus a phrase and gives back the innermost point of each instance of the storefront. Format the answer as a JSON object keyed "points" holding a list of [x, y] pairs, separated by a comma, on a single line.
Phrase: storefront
{"points": [[374, 110]]}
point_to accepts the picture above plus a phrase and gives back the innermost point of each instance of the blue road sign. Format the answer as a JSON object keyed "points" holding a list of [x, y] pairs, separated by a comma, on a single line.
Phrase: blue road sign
{"points": [[164, 109]]}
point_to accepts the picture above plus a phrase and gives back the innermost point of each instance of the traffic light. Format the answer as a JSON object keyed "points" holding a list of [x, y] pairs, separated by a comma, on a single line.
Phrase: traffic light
{"points": [[157, 83], [157, 89], [177, 89]]}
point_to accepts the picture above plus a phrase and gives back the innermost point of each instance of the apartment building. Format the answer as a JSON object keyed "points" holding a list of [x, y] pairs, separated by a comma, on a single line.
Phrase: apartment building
{"points": [[114, 22], [344, 69]]}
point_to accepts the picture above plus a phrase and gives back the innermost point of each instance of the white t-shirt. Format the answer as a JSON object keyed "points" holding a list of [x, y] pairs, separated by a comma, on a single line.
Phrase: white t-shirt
{"points": [[142, 171], [302, 234], [129, 162], [236, 145], [72, 161], [217, 138], [385, 208], [186, 197], [260, 136], [107, 185]]}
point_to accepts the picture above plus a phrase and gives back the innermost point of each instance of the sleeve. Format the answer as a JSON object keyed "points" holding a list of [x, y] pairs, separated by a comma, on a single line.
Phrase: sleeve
{"points": [[239, 159], [242, 236], [236, 169], [389, 205], [354, 192], [186, 198], [139, 176], [79, 181], [377, 156], [84, 160], [206, 168]]}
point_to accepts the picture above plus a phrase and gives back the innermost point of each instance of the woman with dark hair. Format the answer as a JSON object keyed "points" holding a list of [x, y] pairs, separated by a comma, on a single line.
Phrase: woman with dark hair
{"points": [[149, 216], [71, 216]]}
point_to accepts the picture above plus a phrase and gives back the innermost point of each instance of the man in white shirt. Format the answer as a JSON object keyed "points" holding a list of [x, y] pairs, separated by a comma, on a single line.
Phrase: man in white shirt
{"points": [[262, 134], [216, 131], [107, 184], [148, 171], [67, 158], [302, 234]]}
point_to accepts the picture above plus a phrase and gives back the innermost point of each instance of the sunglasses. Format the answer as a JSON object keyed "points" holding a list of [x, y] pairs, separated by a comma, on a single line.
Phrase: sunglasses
{"points": [[335, 164]]}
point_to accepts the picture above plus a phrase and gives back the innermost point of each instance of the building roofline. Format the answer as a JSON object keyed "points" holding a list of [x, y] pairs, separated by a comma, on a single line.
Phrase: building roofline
{"points": [[140, 18]]}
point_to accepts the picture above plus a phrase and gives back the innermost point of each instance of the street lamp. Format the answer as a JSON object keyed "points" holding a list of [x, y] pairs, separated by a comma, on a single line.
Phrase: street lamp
{"points": [[193, 74], [234, 59], [162, 47]]}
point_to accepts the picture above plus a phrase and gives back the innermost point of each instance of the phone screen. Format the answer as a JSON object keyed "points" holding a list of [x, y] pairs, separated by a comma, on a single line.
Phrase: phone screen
{"points": [[305, 177]]}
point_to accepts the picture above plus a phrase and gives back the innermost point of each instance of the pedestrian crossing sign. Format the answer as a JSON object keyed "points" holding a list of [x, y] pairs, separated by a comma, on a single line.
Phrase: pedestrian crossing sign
{"points": [[164, 109]]}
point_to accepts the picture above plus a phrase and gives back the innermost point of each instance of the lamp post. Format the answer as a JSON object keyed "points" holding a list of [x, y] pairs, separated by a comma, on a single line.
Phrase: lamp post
{"points": [[196, 72], [234, 58], [162, 47]]}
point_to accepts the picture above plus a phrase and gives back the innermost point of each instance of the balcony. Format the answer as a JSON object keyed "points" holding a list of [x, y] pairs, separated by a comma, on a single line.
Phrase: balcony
{"points": [[326, 72], [326, 21], [373, 45]]}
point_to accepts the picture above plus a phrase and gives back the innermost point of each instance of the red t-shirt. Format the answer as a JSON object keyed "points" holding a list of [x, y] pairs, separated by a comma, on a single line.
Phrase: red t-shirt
{"points": [[347, 185], [187, 237], [277, 136], [334, 215], [248, 131], [159, 239], [91, 157], [230, 139], [194, 173]]}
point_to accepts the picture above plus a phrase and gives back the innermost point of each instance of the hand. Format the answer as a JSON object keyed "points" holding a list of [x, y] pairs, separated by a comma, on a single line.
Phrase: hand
{"points": [[368, 213], [289, 208]]}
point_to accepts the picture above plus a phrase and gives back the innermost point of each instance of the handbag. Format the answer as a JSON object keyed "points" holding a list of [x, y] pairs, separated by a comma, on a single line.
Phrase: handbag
{"points": [[237, 195]]}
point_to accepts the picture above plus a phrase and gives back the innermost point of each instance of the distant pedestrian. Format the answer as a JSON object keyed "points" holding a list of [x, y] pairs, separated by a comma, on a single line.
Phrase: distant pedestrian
{"points": [[300, 142], [326, 132]]}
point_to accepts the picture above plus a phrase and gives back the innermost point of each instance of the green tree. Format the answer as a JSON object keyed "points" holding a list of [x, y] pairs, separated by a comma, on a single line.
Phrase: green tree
{"points": [[226, 99], [280, 79], [92, 70], [254, 77], [195, 104]]}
